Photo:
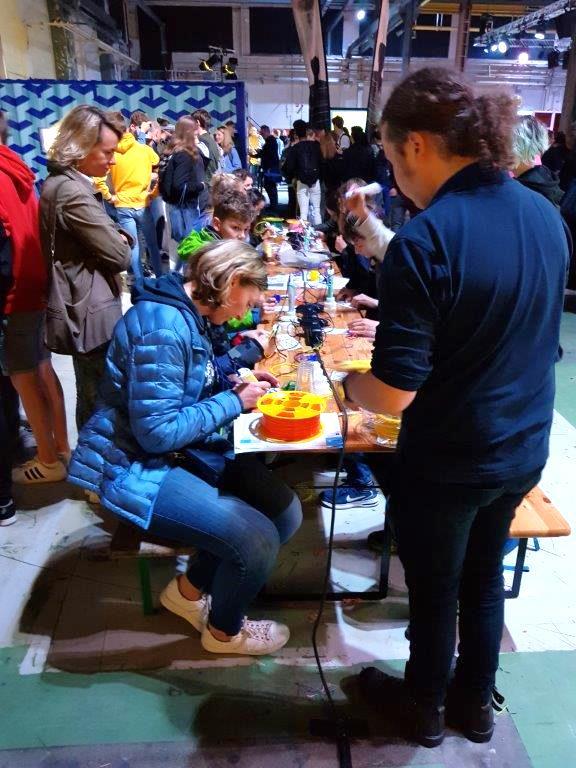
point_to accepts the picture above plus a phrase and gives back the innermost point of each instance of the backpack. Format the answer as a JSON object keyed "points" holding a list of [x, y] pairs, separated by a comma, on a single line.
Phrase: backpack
{"points": [[308, 163]]}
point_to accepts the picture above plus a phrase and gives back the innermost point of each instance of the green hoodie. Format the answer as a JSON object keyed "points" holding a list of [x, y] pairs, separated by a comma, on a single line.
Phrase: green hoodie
{"points": [[195, 240]]}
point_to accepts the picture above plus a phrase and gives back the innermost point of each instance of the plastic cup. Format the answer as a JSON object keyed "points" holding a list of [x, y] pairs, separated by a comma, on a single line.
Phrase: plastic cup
{"points": [[387, 429]]}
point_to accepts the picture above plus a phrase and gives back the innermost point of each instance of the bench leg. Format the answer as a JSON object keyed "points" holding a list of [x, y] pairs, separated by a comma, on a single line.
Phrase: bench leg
{"points": [[145, 586], [518, 570]]}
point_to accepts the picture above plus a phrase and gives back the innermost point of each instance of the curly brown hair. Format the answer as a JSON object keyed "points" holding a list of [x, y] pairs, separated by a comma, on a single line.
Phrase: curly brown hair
{"points": [[438, 101]]}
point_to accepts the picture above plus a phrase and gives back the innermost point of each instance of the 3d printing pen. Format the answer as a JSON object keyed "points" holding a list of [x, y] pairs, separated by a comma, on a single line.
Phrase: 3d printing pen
{"points": [[370, 190]]}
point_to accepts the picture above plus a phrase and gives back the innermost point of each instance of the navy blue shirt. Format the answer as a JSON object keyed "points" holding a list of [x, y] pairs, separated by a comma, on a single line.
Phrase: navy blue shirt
{"points": [[470, 296]]}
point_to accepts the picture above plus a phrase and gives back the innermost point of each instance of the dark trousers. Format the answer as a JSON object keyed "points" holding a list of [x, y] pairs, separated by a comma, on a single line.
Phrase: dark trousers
{"points": [[9, 426], [272, 192], [451, 542], [89, 370]]}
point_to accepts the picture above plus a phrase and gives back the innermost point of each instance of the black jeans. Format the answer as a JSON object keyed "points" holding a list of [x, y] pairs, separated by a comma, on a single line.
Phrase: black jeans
{"points": [[89, 370], [9, 426], [272, 192], [451, 540]]}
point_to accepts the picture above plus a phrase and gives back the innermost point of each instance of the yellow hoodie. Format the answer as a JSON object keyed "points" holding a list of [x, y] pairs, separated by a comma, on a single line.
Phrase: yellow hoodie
{"points": [[130, 176]]}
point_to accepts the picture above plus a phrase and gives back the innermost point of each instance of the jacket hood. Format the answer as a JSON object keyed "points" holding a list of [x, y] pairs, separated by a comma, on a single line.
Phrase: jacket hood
{"points": [[541, 179], [168, 290], [16, 169], [126, 142], [195, 240]]}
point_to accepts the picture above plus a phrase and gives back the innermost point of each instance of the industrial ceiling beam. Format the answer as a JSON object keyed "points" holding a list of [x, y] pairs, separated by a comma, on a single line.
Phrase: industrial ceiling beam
{"points": [[366, 39], [529, 21]]}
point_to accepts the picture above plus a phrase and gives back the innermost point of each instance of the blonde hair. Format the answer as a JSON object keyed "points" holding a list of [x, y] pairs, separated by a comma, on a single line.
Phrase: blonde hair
{"points": [[227, 141], [79, 133], [222, 183], [215, 266]]}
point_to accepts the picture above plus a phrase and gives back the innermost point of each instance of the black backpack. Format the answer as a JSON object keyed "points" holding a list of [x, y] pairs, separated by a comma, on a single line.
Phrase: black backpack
{"points": [[309, 158]]}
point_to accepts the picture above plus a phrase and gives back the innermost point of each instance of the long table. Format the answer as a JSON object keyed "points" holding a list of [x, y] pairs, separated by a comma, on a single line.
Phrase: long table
{"points": [[335, 350]]}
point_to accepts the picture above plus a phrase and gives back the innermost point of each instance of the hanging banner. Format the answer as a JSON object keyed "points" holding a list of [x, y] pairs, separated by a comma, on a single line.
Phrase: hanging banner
{"points": [[309, 27], [375, 95]]}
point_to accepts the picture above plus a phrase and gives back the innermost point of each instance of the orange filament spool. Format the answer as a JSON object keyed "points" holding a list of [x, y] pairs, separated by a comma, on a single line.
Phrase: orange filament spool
{"points": [[291, 416]]}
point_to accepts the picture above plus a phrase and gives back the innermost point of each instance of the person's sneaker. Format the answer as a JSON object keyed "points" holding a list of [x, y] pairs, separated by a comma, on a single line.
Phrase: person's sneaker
{"points": [[470, 713], [348, 497], [34, 471], [7, 514], [389, 697], [194, 611], [256, 638]]}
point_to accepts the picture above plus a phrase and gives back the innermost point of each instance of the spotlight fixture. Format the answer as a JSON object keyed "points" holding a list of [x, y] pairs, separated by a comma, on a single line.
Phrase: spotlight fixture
{"points": [[502, 46], [494, 48], [523, 57], [229, 69], [361, 14], [540, 32], [207, 65], [486, 50]]}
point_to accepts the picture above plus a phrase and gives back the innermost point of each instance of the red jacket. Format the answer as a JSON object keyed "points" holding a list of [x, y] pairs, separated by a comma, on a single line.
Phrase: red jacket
{"points": [[19, 218]]}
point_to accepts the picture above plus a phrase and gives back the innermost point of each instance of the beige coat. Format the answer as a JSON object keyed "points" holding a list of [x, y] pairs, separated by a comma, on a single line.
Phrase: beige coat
{"points": [[89, 247]]}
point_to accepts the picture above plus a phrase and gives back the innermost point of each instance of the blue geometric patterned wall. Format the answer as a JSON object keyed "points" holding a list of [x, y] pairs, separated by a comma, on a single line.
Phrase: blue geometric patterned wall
{"points": [[34, 104]]}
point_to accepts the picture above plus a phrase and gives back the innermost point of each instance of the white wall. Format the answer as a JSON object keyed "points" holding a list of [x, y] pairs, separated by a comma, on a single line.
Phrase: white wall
{"points": [[26, 42]]}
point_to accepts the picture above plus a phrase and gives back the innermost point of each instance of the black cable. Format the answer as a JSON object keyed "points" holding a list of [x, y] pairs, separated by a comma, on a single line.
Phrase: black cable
{"points": [[344, 430]]}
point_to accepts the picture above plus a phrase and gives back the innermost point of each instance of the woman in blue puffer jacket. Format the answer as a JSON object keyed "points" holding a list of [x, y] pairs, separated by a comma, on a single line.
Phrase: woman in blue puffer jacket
{"points": [[155, 455]]}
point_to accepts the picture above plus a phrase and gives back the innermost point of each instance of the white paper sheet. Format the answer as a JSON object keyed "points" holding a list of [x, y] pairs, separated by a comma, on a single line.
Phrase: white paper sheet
{"points": [[246, 439]]}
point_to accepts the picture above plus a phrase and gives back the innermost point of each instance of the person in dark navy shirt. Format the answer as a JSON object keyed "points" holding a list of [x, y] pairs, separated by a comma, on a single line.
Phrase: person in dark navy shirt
{"points": [[471, 294]]}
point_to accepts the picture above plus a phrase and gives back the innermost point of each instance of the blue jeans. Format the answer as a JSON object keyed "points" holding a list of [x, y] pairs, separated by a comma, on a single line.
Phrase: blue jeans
{"points": [[136, 221], [238, 529], [183, 220], [9, 425], [451, 541]]}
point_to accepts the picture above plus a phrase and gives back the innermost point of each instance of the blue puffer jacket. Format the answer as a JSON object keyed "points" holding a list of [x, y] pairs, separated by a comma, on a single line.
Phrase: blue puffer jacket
{"points": [[161, 392]]}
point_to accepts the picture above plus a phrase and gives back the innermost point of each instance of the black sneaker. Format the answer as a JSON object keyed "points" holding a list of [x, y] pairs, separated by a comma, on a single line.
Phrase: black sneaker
{"points": [[470, 713], [7, 514], [390, 697]]}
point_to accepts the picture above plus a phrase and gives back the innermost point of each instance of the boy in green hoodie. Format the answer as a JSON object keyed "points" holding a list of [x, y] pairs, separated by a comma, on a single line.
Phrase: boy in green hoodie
{"points": [[231, 220]]}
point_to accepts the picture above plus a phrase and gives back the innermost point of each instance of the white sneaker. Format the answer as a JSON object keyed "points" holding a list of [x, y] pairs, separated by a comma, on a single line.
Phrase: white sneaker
{"points": [[256, 638], [194, 611], [34, 471]]}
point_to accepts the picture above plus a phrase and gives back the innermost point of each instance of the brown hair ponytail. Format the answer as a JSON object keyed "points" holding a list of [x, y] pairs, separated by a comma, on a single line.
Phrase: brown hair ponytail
{"points": [[438, 101]]}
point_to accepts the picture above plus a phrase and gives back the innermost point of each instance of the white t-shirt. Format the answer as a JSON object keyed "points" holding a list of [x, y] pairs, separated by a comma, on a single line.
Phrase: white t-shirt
{"points": [[343, 141]]}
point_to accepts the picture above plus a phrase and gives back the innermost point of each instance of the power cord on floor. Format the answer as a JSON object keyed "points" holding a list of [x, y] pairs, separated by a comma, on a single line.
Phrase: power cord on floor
{"points": [[337, 728]]}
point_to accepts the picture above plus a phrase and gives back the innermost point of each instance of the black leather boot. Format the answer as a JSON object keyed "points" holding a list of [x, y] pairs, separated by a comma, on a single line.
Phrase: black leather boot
{"points": [[402, 714], [470, 713]]}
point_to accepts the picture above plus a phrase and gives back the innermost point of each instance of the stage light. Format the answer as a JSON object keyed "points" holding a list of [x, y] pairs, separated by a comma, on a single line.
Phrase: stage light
{"points": [[540, 33], [523, 57], [229, 69], [207, 65], [494, 47], [361, 14], [486, 50], [502, 46]]}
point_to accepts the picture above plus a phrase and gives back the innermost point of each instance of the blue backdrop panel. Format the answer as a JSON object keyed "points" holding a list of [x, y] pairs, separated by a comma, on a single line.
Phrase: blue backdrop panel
{"points": [[34, 104]]}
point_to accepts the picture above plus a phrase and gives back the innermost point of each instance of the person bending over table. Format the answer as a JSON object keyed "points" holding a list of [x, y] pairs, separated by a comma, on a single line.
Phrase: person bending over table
{"points": [[471, 294], [164, 394]]}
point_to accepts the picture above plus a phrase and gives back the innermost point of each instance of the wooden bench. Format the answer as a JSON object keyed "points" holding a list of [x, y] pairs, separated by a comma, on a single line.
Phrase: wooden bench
{"points": [[536, 518]]}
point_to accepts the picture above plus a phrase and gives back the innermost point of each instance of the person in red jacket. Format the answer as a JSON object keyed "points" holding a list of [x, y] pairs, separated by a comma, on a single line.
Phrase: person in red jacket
{"points": [[23, 354]]}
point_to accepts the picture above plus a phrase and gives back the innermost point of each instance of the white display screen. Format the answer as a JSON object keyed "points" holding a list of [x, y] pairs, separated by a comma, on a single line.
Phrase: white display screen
{"points": [[351, 117]]}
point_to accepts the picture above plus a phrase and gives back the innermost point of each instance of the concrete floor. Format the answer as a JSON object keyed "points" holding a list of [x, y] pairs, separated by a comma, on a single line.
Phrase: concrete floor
{"points": [[88, 681]]}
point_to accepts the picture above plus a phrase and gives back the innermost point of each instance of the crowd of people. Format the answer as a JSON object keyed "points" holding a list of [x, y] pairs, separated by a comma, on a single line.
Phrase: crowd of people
{"points": [[448, 262]]}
